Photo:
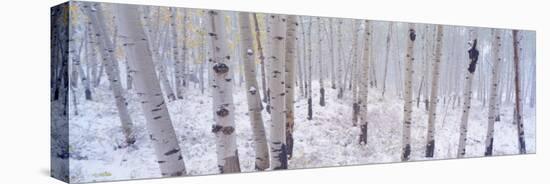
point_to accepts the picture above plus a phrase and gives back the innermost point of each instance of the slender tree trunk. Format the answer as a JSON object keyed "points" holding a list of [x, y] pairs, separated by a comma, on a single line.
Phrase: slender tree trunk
{"points": [[310, 72], [388, 46], [420, 88], [157, 42], [276, 84], [331, 52], [164, 45], [519, 102], [299, 61], [85, 80], [253, 97], [434, 93], [204, 50], [159, 125], [473, 54], [178, 65], [262, 58], [364, 89], [407, 109], [496, 46], [305, 56], [290, 62], [222, 93], [320, 56], [110, 62], [340, 61], [355, 100]]}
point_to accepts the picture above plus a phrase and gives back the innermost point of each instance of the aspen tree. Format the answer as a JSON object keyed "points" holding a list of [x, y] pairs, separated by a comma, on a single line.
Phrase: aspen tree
{"points": [[253, 95], [331, 53], [178, 66], [407, 108], [364, 89], [158, 122], [95, 13], [277, 98], [340, 61], [355, 100], [497, 60], [78, 62], [222, 93], [290, 62], [261, 56], [518, 118], [309, 72], [388, 44], [299, 61], [434, 91], [320, 58], [473, 54]]}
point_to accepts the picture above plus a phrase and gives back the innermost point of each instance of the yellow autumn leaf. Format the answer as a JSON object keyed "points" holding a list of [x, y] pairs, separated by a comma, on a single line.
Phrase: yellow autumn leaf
{"points": [[103, 174]]}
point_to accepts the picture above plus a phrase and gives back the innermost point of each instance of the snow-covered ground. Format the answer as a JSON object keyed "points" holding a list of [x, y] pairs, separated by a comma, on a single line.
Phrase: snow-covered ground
{"points": [[327, 140]]}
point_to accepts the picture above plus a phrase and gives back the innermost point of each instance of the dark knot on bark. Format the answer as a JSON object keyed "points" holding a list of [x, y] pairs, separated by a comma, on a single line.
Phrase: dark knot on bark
{"points": [[220, 68], [216, 128], [473, 54], [225, 130], [228, 130], [412, 34], [222, 112]]}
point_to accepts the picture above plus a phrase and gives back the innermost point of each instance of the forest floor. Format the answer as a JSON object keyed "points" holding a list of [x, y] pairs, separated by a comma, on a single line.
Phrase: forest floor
{"points": [[329, 139]]}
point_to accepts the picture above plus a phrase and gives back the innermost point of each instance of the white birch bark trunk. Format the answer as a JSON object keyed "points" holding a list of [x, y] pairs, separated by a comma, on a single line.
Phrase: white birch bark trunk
{"points": [[331, 53], [353, 78], [309, 72], [388, 46], [473, 54], [493, 98], [290, 76], [164, 45], [277, 98], [94, 12], [262, 59], [159, 125], [158, 42], [320, 58], [253, 95], [178, 65], [84, 77], [184, 49], [299, 61], [408, 101], [364, 89], [267, 64], [222, 93], [518, 101], [340, 61], [434, 93], [304, 57]]}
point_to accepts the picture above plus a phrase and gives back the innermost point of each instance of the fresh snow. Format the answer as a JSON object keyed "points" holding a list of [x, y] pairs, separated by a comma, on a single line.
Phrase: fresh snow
{"points": [[327, 140]]}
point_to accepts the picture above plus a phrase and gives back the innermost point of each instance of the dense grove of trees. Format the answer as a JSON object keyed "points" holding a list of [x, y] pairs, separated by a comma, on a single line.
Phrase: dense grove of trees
{"points": [[158, 53]]}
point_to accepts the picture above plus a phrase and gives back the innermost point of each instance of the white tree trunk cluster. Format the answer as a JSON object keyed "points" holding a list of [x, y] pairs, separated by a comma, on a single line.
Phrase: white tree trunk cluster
{"points": [[253, 95], [159, 123]]}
